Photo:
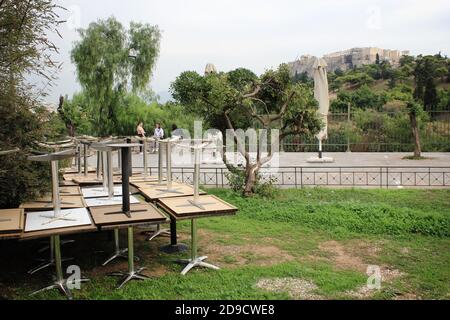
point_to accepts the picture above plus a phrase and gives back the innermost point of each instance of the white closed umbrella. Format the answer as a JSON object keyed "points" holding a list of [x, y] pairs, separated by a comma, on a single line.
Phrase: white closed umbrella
{"points": [[321, 94]]}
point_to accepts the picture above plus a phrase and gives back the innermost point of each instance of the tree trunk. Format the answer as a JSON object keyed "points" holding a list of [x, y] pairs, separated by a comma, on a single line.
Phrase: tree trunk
{"points": [[71, 129], [416, 136], [250, 179]]}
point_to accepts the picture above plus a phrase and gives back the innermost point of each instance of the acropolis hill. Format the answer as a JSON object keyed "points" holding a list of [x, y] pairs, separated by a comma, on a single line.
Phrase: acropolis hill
{"points": [[348, 59]]}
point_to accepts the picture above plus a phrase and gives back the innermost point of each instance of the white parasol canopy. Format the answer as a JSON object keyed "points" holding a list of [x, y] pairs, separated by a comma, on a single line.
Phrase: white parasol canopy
{"points": [[321, 94]]}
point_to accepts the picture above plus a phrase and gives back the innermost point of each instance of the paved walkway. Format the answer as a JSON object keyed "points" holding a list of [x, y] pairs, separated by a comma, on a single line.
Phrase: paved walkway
{"points": [[348, 170], [341, 159]]}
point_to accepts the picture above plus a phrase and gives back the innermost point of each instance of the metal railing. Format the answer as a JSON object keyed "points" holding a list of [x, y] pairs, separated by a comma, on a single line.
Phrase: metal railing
{"points": [[376, 131], [329, 176]]}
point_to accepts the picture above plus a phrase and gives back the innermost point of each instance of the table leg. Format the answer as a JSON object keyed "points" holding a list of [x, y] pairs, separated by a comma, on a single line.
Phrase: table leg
{"points": [[118, 253], [99, 164], [158, 232], [60, 283], [132, 273], [126, 164], [174, 246], [46, 263], [195, 261], [119, 160], [79, 158], [85, 159]]}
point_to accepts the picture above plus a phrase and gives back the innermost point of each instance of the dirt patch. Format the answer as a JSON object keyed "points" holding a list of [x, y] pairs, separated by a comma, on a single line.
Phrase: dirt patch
{"points": [[262, 254], [298, 289], [388, 274], [347, 258], [342, 258], [157, 271], [407, 296], [372, 249]]}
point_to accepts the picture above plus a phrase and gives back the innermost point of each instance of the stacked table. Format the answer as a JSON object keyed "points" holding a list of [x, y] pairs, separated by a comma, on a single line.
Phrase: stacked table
{"points": [[11, 223], [182, 208], [73, 210]]}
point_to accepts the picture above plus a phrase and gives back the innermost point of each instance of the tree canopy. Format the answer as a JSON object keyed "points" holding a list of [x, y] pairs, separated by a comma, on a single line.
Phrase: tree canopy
{"points": [[111, 61], [240, 100], [25, 49]]}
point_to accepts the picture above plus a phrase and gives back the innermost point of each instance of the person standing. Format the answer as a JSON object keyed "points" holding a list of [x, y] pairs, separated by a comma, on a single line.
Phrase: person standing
{"points": [[141, 133], [158, 135]]}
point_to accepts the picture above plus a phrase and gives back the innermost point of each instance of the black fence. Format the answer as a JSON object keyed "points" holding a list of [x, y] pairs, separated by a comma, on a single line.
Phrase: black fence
{"points": [[330, 176], [374, 131]]}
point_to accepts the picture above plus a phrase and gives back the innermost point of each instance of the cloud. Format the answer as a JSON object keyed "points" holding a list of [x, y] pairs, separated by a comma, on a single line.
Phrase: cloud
{"points": [[261, 34]]}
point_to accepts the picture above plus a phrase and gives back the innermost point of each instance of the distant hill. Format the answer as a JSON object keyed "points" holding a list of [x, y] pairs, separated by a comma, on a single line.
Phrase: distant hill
{"points": [[348, 59]]}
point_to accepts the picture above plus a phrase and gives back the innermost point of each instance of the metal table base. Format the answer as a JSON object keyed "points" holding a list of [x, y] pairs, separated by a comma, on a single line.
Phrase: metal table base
{"points": [[174, 246], [50, 262], [118, 253], [47, 247], [132, 273], [195, 261], [60, 283], [157, 233]]}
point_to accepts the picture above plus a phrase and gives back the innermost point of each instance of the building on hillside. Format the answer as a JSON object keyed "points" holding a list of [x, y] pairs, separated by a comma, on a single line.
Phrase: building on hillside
{"points": [[348, 59]]}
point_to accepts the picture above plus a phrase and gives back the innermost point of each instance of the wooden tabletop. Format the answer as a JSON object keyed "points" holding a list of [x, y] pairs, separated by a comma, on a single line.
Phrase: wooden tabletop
{"points": [[92, 180], [151, 184], [45, 203], [75, 170], [158, 192], [149, 214], [180, 208], [139, 178], [67, 183], [11, 223], [70, 191], [61, 232]]}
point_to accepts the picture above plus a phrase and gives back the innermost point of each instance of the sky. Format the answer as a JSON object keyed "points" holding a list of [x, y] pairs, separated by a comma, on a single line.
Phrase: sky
{"points": [[257, 35]]}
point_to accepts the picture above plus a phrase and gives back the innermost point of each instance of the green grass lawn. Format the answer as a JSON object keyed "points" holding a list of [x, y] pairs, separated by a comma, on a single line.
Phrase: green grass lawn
{"points": [[305, 244]]}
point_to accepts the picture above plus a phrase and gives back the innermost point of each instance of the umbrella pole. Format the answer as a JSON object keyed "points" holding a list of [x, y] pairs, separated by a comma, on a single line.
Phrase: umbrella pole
{"points": [[320, 149]]}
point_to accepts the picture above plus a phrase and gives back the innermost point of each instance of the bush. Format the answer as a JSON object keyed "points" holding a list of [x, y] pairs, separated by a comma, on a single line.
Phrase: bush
{"points": [[236, 180], [134, 109], [264, 187]]}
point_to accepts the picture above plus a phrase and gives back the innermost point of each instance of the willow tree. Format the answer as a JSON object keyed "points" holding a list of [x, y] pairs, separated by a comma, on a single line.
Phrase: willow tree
{"points": [[241, 100], [111, 61]]}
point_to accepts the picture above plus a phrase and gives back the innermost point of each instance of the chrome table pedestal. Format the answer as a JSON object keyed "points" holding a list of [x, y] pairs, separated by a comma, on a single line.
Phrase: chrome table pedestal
{"points": [[157, 233], [118, 253], [174, 246], [63, 285], [108, 184], [132, 273], [195, 261], [50, 262], [56, 203], [169, 187]]}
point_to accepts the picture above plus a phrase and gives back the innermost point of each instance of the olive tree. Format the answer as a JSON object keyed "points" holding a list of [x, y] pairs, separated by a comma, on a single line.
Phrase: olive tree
{"points": [[240, 100]]}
